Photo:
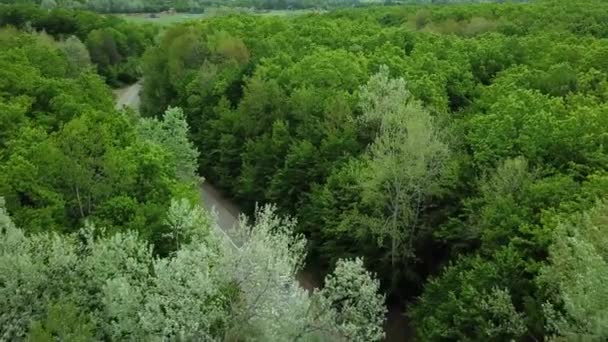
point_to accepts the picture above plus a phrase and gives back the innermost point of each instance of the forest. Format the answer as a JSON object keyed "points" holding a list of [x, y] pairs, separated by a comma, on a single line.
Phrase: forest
{"points": [[448, 160]]}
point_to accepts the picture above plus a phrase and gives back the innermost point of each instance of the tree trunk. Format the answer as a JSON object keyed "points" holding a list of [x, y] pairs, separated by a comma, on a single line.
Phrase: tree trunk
{"points": [[79, 202]]}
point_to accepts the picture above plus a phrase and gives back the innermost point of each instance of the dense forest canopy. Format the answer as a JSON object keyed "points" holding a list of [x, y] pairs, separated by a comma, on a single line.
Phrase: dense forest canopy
{"points": [[450, 158], [102, 236], [113, 44], [446, 144]]}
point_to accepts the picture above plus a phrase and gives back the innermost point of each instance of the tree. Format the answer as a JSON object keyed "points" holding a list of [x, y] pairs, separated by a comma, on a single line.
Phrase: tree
{"points": [[172, 133], [185, 222], [64, 321], [575, 274], [472, 300], [48, 4], [349, 308], [264, 267], [403, 164], [77, 55], [114, 288], [351, 295], [106, 47]]}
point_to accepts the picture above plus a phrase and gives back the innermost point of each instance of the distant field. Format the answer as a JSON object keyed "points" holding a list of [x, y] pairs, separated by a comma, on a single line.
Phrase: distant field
{"points": [[166, 19], [163, 19]]}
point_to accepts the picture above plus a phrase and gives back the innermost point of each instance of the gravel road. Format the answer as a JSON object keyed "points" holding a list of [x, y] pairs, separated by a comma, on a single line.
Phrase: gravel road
{"points": [[227, 212]]}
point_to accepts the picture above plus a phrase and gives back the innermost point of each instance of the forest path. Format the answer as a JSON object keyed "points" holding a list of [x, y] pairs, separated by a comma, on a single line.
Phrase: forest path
{"points": [[227, 212], [397, 328]]}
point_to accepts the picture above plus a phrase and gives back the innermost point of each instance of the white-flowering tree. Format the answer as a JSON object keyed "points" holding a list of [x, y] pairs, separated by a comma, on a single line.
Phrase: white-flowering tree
{"points": [[274, 305], [577, 276], [264, 268], [352, 301], [115, 281], [114, 288], [48, 4], [188, 222]]}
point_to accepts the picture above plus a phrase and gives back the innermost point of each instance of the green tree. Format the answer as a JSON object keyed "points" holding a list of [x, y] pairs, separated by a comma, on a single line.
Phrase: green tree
{"points": [[77, 55], [172, 133], [575, 273], [63, 321], [404, 163], [472, 300]]}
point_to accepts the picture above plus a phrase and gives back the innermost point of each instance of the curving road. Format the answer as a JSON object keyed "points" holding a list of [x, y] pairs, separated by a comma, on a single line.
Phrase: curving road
{"points": [[227, 212]]}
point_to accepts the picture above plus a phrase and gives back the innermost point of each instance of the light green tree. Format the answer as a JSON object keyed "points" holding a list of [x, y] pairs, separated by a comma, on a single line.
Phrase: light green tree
{"points": [[348, 308], [114, 288], [187, 222], [172, 133], [353, 302], [403, 164], [77, 55], [48, 4], [577, 275]]}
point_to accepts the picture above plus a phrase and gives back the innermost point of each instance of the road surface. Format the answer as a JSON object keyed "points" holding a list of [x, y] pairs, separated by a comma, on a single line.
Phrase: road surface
{"points": [[128, 96], [227, 212]]}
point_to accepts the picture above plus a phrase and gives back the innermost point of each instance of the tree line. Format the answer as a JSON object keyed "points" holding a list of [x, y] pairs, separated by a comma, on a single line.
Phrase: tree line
{"points": [[112, 44], [460, 149], [199, 6]]}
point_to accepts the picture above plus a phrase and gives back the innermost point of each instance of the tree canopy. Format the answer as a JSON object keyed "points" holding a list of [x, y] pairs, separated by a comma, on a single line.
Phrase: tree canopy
{"points": [[445, 144], [102, 233], [449, 158]]}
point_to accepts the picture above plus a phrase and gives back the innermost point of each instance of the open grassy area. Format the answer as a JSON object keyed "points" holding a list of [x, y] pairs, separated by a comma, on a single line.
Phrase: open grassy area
{"points": [[162, 19], [166, 19]]}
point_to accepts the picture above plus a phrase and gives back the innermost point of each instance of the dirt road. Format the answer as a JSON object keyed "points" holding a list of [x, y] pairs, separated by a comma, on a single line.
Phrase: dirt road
{"points": [[227, 212], [128, 96]]}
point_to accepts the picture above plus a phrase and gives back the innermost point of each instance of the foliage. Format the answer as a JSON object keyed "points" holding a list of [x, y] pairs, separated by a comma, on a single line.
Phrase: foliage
{"points": [[490, 118], [460, 150], [112, 44], [111, 286], [77, 54], [172, 134], [352, 294], [471, 301], [403, 165], [68, 156], [575, 274]]}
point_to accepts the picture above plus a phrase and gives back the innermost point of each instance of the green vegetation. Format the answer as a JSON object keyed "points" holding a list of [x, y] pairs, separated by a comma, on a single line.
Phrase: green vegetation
{"points": [[190, 6], [106, 239], [444, 144], [167, 19], [114, 45], [459, 153], [163, 19]]}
